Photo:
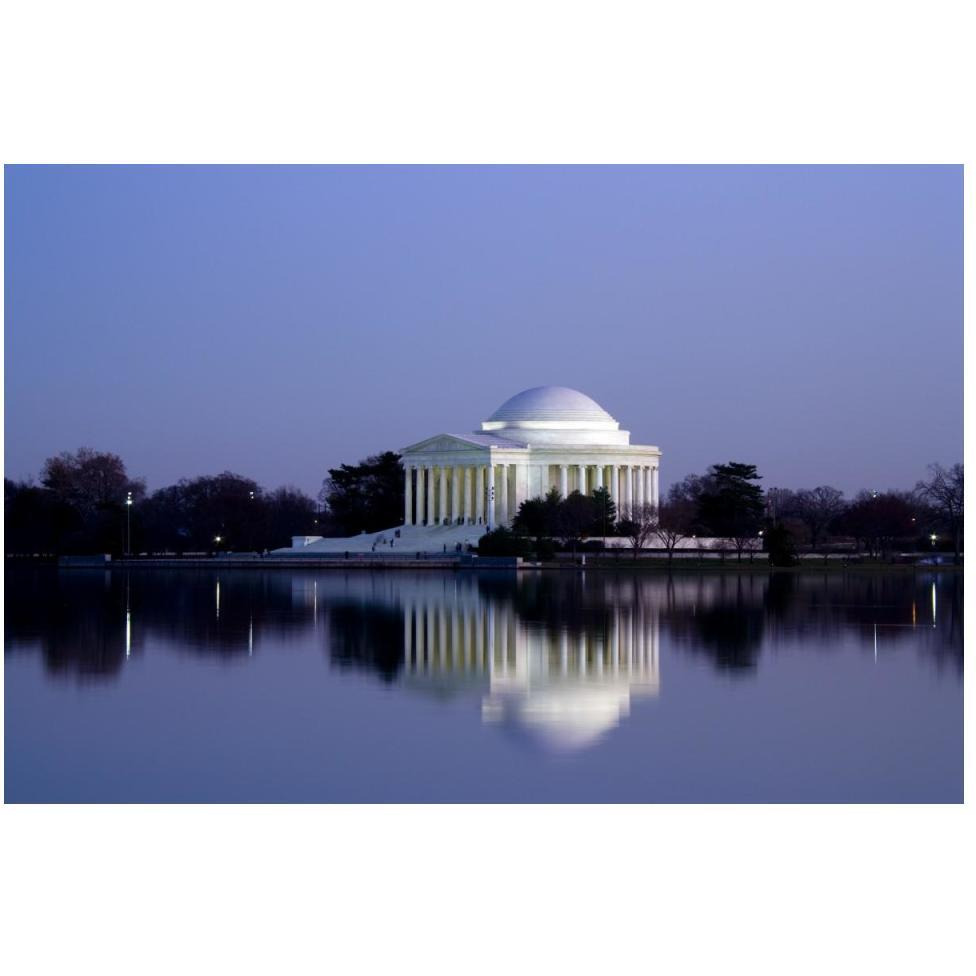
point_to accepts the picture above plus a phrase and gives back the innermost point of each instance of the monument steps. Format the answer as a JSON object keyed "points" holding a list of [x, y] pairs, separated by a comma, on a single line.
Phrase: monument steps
{"points": [[412, 539]]}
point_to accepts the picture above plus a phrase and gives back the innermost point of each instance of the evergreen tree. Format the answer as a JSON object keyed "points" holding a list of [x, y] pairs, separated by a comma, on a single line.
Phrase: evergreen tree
{"points": [[604, 512], [730, 505]]}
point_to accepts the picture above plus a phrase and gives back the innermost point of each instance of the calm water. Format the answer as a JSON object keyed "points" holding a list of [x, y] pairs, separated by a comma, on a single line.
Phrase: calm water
{"points": [[309, 685]]}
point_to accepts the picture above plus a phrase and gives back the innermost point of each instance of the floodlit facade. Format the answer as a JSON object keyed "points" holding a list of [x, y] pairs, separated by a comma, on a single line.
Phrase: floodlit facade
{"points": [[543, 438]]}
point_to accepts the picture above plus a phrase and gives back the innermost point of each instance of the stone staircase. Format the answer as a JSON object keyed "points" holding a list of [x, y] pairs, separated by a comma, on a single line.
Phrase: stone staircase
{"points": [[413, 539]]}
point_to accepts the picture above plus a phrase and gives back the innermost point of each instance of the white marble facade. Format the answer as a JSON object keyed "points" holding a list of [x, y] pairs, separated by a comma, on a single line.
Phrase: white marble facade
{"points": [[543, 438]]}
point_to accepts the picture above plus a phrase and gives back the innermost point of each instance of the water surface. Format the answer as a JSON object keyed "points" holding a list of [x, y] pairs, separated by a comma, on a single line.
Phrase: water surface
{"points": [[306, 685]]}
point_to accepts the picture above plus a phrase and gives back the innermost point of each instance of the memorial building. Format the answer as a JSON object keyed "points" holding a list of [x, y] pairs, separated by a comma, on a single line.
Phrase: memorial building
{"points": [[543, 438]]}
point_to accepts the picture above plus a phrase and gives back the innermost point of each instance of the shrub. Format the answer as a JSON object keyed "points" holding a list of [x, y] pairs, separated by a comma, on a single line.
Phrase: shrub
{"points": [[504, 542]]}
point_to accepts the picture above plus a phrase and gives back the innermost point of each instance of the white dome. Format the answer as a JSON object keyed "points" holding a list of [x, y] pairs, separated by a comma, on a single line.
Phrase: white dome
{"points": [[558, 403], [555, 416]]}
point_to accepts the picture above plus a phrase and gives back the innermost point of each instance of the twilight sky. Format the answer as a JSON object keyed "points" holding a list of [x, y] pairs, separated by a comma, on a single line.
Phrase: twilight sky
{"points": [[276, 321]]}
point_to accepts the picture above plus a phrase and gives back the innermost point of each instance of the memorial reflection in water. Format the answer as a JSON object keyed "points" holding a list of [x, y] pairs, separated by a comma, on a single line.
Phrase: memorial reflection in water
{"points": [[564, 684]]}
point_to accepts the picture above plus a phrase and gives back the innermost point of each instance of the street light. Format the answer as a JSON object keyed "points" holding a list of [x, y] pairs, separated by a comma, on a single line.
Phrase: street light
{"points": [[932, 538], [128, 522]]}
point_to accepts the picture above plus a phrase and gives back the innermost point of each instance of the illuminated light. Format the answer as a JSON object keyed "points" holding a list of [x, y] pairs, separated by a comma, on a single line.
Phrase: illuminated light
{"points": [[128, 633]]}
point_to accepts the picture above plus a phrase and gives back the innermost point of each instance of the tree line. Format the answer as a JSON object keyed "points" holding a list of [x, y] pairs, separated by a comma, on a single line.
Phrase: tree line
{"points": [[728, 503], [87, 502]]}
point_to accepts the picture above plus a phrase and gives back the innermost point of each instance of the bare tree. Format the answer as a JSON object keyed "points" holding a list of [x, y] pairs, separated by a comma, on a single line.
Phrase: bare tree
{"points": [[879, 520], [944, 492], [817, 508], [638, 523], [90, 480], [675, 521], [742, 542]]}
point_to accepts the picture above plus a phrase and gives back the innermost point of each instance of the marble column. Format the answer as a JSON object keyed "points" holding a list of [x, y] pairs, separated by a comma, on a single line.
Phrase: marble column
{"points": [[647, 486], [502, 492], [655, 495], [431, 510], [598, 479], [455, 493], [491, 495], [442, 513], [564, 480], [479, 494], [615, 485], [467, 496], [638, 486], [408, 496], [582, 479], [420, 496]]}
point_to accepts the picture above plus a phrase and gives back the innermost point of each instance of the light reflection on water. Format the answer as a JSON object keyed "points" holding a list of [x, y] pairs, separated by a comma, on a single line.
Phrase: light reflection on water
{"points": [[560, 663]]}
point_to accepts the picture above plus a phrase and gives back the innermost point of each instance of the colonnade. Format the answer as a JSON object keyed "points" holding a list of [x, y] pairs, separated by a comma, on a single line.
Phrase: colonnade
{"points": [[489, 494], [628, 484], [439, 494]]}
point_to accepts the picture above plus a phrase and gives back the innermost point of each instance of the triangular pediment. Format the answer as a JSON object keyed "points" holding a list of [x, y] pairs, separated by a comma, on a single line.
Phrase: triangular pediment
{"points": [[444, 442]]}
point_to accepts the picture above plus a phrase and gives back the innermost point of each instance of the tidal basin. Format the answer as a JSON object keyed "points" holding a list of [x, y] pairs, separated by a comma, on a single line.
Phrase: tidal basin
{"points": [[224, 685]]}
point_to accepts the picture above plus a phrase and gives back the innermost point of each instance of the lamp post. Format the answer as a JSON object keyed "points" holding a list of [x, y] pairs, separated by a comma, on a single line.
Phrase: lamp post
{"points": [[128, 522]]}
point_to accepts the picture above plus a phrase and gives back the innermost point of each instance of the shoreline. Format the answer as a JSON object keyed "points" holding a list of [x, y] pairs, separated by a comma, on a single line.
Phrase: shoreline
{"points": [[488, 564]]}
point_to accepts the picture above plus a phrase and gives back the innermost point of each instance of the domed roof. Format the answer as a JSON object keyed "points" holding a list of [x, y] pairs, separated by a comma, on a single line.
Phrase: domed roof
{"points": [[550, 403]]}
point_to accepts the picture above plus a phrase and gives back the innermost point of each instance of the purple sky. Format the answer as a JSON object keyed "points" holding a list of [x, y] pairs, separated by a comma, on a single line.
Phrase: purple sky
{"points": [[276, 321]]}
